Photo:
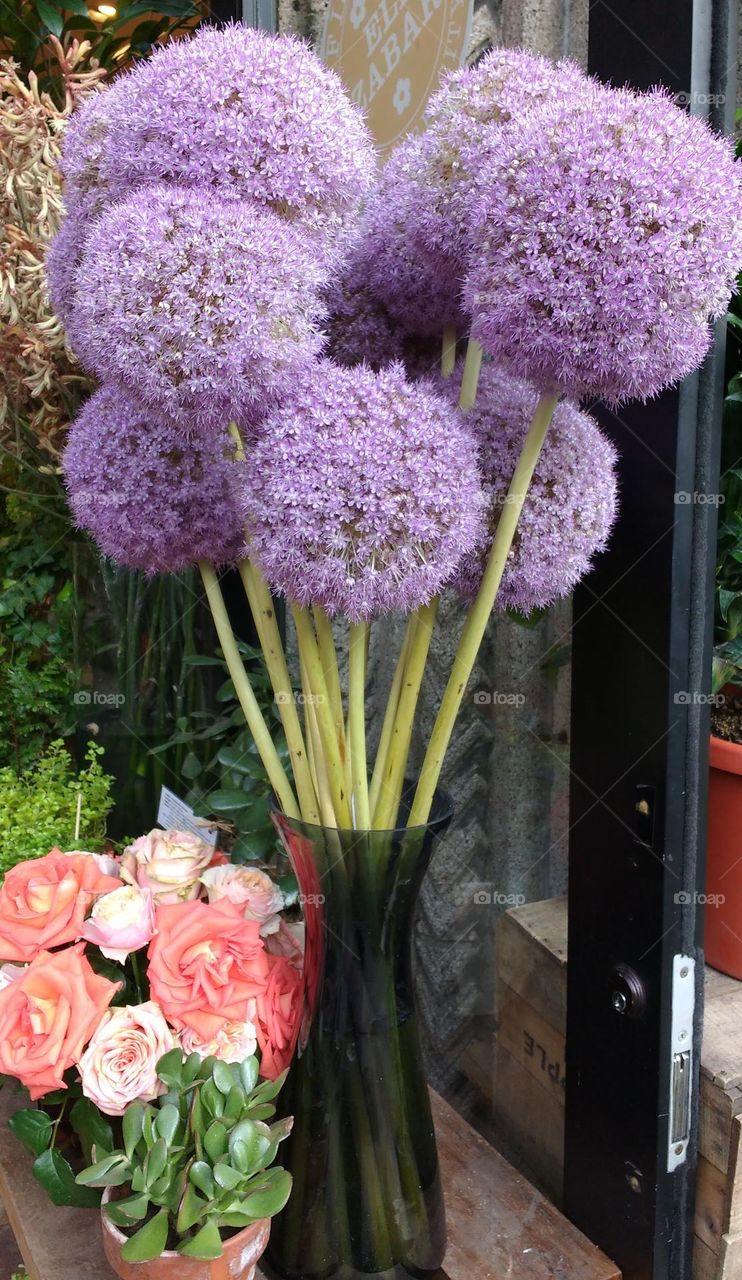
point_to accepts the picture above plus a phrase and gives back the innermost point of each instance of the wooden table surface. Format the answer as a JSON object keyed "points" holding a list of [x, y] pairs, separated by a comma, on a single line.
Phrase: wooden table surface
{"points": [[499, 1226]]}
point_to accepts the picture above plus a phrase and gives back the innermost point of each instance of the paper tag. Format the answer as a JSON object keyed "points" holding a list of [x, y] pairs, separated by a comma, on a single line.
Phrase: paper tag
{"points": [[175, 815]]}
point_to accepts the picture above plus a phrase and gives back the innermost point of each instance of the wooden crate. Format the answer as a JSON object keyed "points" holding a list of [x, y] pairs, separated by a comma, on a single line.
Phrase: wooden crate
{"points": [[498, 1224], [528, 1085]]}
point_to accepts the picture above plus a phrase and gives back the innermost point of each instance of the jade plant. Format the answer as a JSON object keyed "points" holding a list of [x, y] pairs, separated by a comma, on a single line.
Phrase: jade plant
{"points": [[195, 1163]]}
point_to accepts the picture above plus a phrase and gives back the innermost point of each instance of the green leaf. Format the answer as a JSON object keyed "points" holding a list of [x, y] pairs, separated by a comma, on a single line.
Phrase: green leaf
{"points": [[51, 17], [249, 1074], [132, 1126], [170, 1069], [132, 1209], [149, 1241], [191, 1209], [227, 1177], [111, 1171], [191, 1067], [264, 1204], [201, 1176], [270, 1088], [56, 1177], [168, 1119], [215, 1141], [156, 1161], [236, 1103], [92, 1128], [223, 1077], [206, 1244], [229, 801], [32, 1128]]}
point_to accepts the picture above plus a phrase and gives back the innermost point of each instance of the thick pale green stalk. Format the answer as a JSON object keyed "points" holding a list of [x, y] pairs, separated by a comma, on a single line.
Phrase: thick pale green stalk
{"points": [[358, 633], [315, 675], [264, 615], [247, 700], [385, 817], [476, 622], [470, 379], [329, 659], [392, 702], [316, 758], [448, 351]]}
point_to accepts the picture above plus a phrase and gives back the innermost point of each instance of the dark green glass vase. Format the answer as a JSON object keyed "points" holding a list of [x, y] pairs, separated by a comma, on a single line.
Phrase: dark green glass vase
{"points": [[366, 1199]]}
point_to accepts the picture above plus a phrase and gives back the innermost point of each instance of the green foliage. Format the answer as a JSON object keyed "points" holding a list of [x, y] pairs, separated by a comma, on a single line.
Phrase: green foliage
{"points": [[230, 782], [38, 807], [129, 33], [195, 1162]]}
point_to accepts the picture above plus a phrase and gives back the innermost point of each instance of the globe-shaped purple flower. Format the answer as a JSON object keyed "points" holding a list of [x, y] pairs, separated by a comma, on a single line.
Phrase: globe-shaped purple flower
{"points": [[150, 498], [62, 264], [206, 311], [570, 507], [364, 493], [608, 231], [239, 113]]}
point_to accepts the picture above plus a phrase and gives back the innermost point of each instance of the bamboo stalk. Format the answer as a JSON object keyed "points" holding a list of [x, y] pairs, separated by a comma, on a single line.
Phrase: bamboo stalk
{"points": [[390, 713], [320, 701], [470, 379], [448, 351], [358, 633], [244, 690], [476, 622], [264, 614], [393, 778]]}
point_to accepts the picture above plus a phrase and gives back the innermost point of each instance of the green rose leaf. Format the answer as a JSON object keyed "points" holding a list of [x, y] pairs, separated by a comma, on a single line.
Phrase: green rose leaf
{"points": [[32, 1128], [92, 1128], [56, 1177]]}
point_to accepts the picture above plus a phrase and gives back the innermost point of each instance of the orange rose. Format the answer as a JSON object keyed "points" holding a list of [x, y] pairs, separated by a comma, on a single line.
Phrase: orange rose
{"points": [[43, 902], [278, 1017], [206, 963], [48, 1015]]}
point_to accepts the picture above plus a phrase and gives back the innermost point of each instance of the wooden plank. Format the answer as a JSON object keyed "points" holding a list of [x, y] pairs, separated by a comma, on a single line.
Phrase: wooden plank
{"points": [[711, 1196], [532, 1041], [705, 1261], [499, 1225], [530, 1123], [532, 952], [721, 1053], [715, 1117], [730, 1259]]}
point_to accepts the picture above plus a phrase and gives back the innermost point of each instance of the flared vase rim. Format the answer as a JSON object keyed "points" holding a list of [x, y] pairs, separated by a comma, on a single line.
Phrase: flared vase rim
{"points": [[441, 813]]}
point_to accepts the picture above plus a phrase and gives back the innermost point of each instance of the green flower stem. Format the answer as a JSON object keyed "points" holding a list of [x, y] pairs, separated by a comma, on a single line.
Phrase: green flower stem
{"points": [[387, 728], [263, 611], [448, 351], [470, 379], [476, 622], [320, 701], [358, 632], [244, 690], [392, 782], [329, 659], [316, 758]]}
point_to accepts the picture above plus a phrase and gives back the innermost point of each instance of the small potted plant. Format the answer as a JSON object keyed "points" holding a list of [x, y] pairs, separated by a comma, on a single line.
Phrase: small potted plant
{"points": [[191, 1191]]}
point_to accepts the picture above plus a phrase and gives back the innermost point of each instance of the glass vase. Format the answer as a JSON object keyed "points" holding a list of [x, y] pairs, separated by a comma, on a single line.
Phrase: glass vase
{"points": [[366, 1198]]}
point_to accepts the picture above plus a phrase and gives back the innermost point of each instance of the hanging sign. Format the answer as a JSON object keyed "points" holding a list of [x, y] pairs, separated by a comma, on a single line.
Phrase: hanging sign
{"points": [[391, 56]]}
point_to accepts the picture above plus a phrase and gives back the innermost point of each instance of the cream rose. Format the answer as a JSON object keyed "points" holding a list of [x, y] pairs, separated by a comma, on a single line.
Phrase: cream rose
{"points": [[119, 1065], [234, 1042], [121, 922], [251, 890], [167, 862]]}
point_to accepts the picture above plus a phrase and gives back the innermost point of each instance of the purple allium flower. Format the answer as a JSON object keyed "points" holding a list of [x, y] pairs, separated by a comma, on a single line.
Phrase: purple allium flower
{"points": [[150, 498], [62, 264], [238, 112], [502, 86], [364, 493], [608, 230], [207, 311], [571, 504]]}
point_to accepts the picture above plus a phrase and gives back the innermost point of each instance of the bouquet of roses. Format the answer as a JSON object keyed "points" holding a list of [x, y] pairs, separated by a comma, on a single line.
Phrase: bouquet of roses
{"points": [[113, 964]]}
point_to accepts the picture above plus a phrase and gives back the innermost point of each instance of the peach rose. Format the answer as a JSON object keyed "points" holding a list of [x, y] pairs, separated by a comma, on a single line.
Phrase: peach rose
{"points": [[289, 941], [47, 1015], [167, 862], [107, 863], [233, 1042], [121, 922], [206, 963], [279, 1010], [248, 888], [119, 1065], [43, 902]]}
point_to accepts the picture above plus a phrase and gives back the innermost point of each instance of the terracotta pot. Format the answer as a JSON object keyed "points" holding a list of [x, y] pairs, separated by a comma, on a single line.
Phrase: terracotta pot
{"points": [[238, 1261], [723, 917]]}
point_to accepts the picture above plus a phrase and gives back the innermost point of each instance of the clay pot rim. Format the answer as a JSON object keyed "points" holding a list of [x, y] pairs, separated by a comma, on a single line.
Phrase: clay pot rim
{"points": [[119, 1236]]}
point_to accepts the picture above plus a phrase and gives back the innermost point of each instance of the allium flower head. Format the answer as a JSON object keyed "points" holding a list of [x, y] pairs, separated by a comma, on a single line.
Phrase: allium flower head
{"points": [[151, 498], [502, 86], [206, 311], [608, 230], [62, 263], [571, 504], [364, 493], [240, 113]]}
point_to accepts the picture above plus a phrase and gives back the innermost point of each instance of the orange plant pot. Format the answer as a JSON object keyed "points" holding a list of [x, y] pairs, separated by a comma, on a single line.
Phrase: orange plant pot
{"points": [[723, 922], [238, 1261]]}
